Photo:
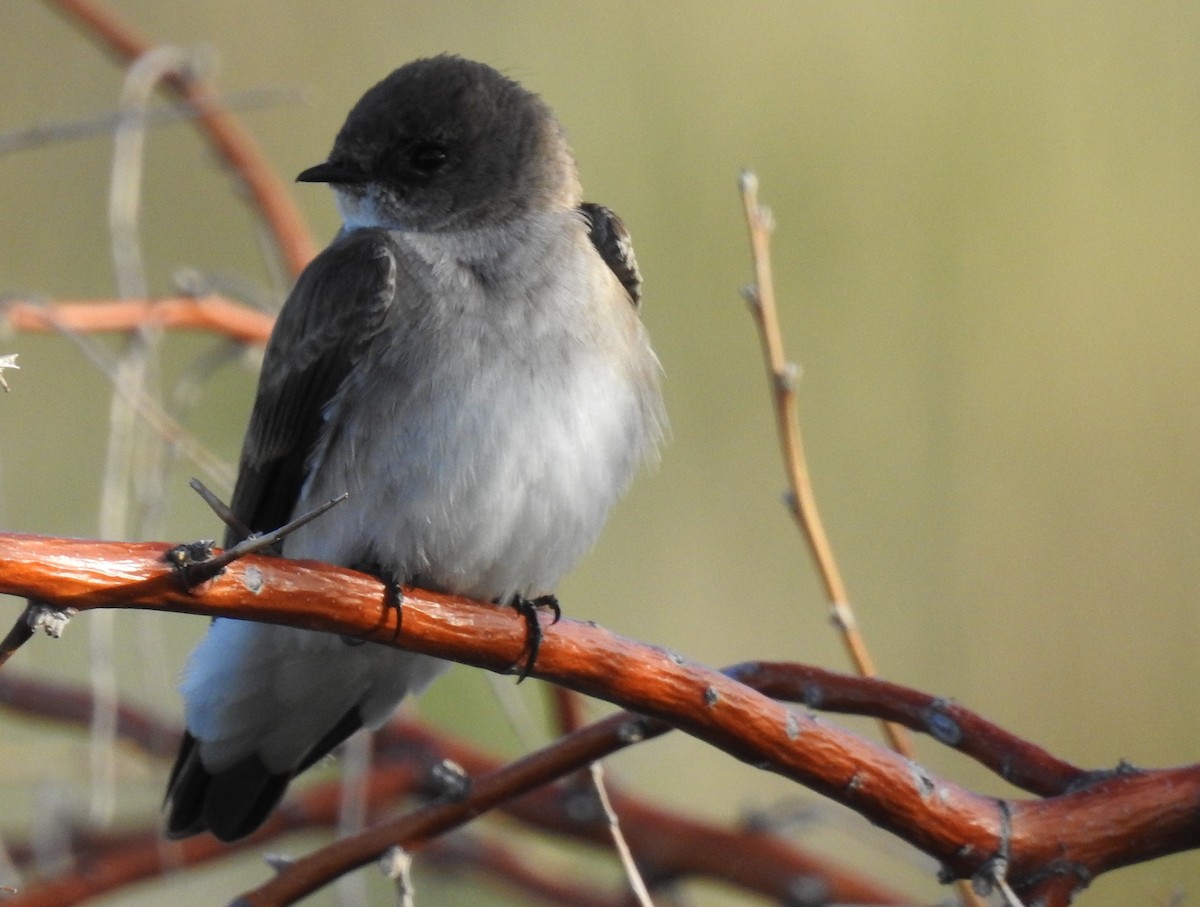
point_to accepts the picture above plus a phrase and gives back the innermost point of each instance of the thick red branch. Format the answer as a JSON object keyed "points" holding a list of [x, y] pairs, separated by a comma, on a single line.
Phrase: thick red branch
{"points": [[1125, 818], [940, 818]]}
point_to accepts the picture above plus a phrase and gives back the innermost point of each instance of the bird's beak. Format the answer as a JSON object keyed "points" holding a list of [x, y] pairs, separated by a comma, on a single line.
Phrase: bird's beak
{"points": [[332, 173]]}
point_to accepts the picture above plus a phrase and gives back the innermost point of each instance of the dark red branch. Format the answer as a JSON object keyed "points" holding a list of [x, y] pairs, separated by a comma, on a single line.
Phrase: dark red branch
{"points": [[50, 701], [1017, 761], [668, 845]]}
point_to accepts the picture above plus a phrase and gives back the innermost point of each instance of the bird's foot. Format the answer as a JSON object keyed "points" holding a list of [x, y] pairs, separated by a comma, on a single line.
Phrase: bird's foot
{"points": [[393, 596], [528, 608]]}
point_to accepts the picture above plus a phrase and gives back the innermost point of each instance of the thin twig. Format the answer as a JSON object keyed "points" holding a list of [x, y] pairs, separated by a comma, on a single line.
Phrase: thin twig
{"points": [[134, 459], [354, 764], [21, 633], [636, 883], [568, 709], [217, 314], [194, 574], [37, 615], [229, 137], [801, 500], [223, 511], [396, 864], [150, 411], [55, 131]]}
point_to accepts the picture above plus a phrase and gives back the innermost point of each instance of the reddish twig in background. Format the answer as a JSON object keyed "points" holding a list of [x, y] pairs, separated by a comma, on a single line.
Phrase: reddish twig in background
{"points": [[48, 700], [1118, 818], [568, 709], [214, 314], [670, 846], [231, 140], [125, 859], [522, 874]]}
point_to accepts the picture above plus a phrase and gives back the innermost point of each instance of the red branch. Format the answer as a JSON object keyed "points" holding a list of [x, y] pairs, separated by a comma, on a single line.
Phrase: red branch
{"points": [[669, 846], [1017, 761], [130, 858], [231, 140], [65, 703], [204, 313], [1113, 821], [666, 844]]}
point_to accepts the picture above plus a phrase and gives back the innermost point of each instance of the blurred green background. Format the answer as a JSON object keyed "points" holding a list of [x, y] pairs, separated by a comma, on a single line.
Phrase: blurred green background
{"points": [[987, 259]]}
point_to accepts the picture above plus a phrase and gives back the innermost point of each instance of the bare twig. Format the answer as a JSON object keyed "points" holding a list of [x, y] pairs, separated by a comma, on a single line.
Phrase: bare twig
{"points": [[1019, 762], [568, 709], [207, 313], [21, 633], [194, 574], [354, 766], [396, 864], [636, 883], [37, 616], [801, 499], [231, 140], [783, 375], [129, 142], [50, 132], [150, 410], [135, 460], [223, 511]]}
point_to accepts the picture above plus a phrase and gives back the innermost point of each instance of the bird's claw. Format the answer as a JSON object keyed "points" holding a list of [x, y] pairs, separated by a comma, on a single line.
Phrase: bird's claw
{"points": [[393, 597], [528, 608]]}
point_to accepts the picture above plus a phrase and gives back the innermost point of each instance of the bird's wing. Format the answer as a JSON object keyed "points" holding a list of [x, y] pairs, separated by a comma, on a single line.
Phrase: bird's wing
{"points": [[331, 316], [608, 234]]}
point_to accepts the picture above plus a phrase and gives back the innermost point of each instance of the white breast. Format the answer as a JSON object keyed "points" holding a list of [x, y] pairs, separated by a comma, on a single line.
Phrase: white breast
{"points": [[492, 425]]}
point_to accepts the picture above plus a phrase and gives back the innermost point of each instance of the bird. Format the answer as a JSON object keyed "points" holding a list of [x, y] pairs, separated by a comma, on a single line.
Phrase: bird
{"points": [[466, 360]]}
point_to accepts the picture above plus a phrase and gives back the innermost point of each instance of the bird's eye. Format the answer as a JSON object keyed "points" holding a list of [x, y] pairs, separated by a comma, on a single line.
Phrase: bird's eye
{"points": [[428, 158]]}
